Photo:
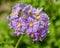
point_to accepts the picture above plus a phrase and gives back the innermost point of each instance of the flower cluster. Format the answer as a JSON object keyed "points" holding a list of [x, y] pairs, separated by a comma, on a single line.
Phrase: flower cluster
{"points": [[34, 21]]}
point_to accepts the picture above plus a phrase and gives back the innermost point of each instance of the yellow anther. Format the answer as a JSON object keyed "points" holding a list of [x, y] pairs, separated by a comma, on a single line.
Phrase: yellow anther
{"points": [[16, 30], [36, 18], [40, 38], [31, 24], [30, 12], [20, 9], [15, 13], [32, 34], [37, 13], [19, 24]]}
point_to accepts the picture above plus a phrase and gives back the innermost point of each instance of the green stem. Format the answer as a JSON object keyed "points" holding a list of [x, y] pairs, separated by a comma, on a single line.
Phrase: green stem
{"points": [[18, 41]]}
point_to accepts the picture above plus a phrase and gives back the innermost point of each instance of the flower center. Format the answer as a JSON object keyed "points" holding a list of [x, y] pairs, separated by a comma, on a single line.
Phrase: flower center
{"points": [[36, 18], [30, 12], [37, 13], [32, 35], [15, 13], [20, 9], [19, 24], [31, 24]]}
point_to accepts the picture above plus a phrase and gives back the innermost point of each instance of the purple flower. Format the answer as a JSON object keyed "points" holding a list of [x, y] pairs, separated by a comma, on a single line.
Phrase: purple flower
{"points": [[18, 7], [9, 22], [19, 24], [34, 36], [44, 16], [17, 33], [16, 11], [22, 5], [42, 30], [28, 10], [32, 26], [37, 12], [15, 7], [54, 0], [42, 33]]}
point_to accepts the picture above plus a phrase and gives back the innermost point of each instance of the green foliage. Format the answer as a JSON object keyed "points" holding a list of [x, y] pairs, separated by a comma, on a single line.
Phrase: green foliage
{"points": [[7, 40]]}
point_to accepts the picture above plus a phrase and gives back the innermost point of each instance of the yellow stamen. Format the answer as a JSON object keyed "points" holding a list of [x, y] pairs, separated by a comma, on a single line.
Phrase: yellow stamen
{"points": [[20, 9], [37, 13], [31, 24], [36, 18], [40, 38], [19, 24], [30, 12], [15, 13], [32, 34]]}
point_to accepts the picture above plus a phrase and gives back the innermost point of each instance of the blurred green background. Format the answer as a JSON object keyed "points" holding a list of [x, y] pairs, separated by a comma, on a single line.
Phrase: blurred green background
{"points": [[7, 40]]}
